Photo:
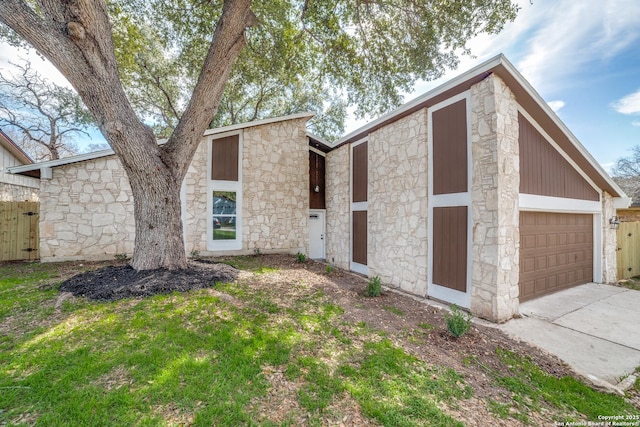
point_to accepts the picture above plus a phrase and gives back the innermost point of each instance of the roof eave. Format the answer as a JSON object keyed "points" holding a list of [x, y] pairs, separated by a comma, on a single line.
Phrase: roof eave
{"points": [[25, 169], [14, 149]]}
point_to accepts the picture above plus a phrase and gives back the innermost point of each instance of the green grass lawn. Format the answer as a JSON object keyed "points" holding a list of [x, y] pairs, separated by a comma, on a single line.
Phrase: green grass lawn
{"points": [[197, 358], [242, 354]]}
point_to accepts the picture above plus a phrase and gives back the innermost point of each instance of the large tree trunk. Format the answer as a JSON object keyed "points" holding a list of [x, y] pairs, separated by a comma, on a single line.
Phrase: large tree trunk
{"points": [[75, 35], [159, 234]]}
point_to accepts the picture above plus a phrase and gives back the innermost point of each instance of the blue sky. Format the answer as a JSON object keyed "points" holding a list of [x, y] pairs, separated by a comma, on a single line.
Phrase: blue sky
{"points": [[583, 57]]}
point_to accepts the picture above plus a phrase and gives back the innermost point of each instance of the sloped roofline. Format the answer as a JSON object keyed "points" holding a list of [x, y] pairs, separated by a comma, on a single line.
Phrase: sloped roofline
{"points": [[525, 95], [14, 149], [109, 152]]}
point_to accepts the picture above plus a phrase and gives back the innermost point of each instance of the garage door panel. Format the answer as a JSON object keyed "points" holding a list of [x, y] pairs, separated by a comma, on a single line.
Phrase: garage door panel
{"points": [[528, 241], [559, 247]]}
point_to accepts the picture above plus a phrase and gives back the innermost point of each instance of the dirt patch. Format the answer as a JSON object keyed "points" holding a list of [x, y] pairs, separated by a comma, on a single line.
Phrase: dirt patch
{"points": [[118, 282]]}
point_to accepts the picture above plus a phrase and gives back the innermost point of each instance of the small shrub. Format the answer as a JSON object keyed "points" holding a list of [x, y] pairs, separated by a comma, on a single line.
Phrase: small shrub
{"points": [[458, 322], [301, 257], [195, 254], [374, 287], [121, 257], [257, 252], [329, 269]]}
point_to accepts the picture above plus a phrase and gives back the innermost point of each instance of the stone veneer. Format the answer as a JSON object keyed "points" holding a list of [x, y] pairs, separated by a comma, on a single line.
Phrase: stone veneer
{"points": [[609, 241], [338, 236], [275, 191], [275, 187], [87, 207], [18, 193], [495, 205], [86, 211], [397, 203]]}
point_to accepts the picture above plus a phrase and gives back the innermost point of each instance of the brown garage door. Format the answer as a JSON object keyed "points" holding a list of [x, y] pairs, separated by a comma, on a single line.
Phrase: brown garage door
{"points": [[556, 252]]}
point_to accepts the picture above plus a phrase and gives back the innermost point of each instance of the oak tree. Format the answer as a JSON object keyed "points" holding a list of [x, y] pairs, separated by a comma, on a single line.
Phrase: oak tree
{"points": [[369, 51], [43, 116]]}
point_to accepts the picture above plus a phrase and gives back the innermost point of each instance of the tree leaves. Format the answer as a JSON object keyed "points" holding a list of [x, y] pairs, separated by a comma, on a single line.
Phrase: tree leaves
{"points": [[302, 56]]}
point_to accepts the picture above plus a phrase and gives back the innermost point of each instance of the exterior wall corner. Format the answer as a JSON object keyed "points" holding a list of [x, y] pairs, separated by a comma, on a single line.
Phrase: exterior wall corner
{"points": [[609, 241], [495, 201]]}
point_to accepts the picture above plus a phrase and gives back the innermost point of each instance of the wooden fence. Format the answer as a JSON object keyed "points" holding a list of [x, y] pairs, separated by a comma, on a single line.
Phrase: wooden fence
{"points": [[628, 237], [19, 231]]}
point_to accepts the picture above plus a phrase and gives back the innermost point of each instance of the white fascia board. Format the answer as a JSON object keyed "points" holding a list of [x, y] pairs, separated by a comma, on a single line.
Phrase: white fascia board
{"points": [[556, 120], [262, 122], [109, 152], [621, 202], [485, 66], [536, 203], [60, 162]]}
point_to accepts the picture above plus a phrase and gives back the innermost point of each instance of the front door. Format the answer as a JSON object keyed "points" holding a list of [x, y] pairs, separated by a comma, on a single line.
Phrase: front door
{"points": [[316, 235]]}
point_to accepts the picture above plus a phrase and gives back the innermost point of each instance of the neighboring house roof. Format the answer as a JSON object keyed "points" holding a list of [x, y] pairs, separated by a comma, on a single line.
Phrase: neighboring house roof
{"points": [[525, 95], [13, 148], [38, 167]]}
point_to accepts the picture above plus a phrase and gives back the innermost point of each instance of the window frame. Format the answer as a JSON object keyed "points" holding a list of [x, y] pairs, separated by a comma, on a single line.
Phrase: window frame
{"points": [[226, 186]]}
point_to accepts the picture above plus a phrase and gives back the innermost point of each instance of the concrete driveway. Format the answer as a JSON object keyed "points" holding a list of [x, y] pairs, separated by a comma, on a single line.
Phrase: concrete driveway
{"points": [[594, 328]]}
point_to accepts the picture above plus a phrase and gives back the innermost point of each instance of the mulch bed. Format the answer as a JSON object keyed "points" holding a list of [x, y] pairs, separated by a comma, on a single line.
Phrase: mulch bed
{"points": [[118, 282]]}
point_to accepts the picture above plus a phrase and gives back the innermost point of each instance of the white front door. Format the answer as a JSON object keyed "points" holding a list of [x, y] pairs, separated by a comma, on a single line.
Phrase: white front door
{"points": [[316, 235]]}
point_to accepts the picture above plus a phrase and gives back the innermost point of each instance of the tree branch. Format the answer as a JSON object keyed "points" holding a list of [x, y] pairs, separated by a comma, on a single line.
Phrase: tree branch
{"points": [[228, 41]]}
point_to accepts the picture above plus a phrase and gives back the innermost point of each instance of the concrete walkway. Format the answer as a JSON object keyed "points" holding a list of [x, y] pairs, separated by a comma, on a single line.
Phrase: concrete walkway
{"points": [[594, 328]]}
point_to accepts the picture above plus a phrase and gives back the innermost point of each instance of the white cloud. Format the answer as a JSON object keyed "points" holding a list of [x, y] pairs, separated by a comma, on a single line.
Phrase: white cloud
{"points": [[10, 54], [556, 105], [572, 34], [635, 123], [630, 104]]}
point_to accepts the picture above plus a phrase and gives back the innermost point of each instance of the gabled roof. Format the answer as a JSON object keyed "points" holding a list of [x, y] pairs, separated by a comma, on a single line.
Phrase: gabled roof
{"points": [[13, 148], [29, 169], [525, 95]]}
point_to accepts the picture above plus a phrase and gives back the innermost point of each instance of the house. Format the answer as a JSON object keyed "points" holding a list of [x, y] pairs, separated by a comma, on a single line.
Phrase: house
{"points": [[474, 193], [245, 190], [15, 188]]}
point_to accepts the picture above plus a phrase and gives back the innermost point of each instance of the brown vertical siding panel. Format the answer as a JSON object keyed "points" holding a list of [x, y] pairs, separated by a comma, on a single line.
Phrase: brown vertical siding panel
{"points": [[316, 177], [360, 172], [450, 149], [544, 172], [359, 250], [224, 159], [450, 247]]}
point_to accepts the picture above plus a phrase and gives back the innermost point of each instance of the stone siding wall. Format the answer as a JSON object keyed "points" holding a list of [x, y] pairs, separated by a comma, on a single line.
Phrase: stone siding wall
{"points": [[397, 203], [18, 193], [609, 241], [275, 191], [275, 185], [195, 212], [86, 212], [495, 207], [338, 237]]}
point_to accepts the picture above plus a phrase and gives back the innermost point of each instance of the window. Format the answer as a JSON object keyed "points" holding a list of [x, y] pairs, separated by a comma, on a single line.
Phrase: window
{"points": [[224, 215], [224, 202]]}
